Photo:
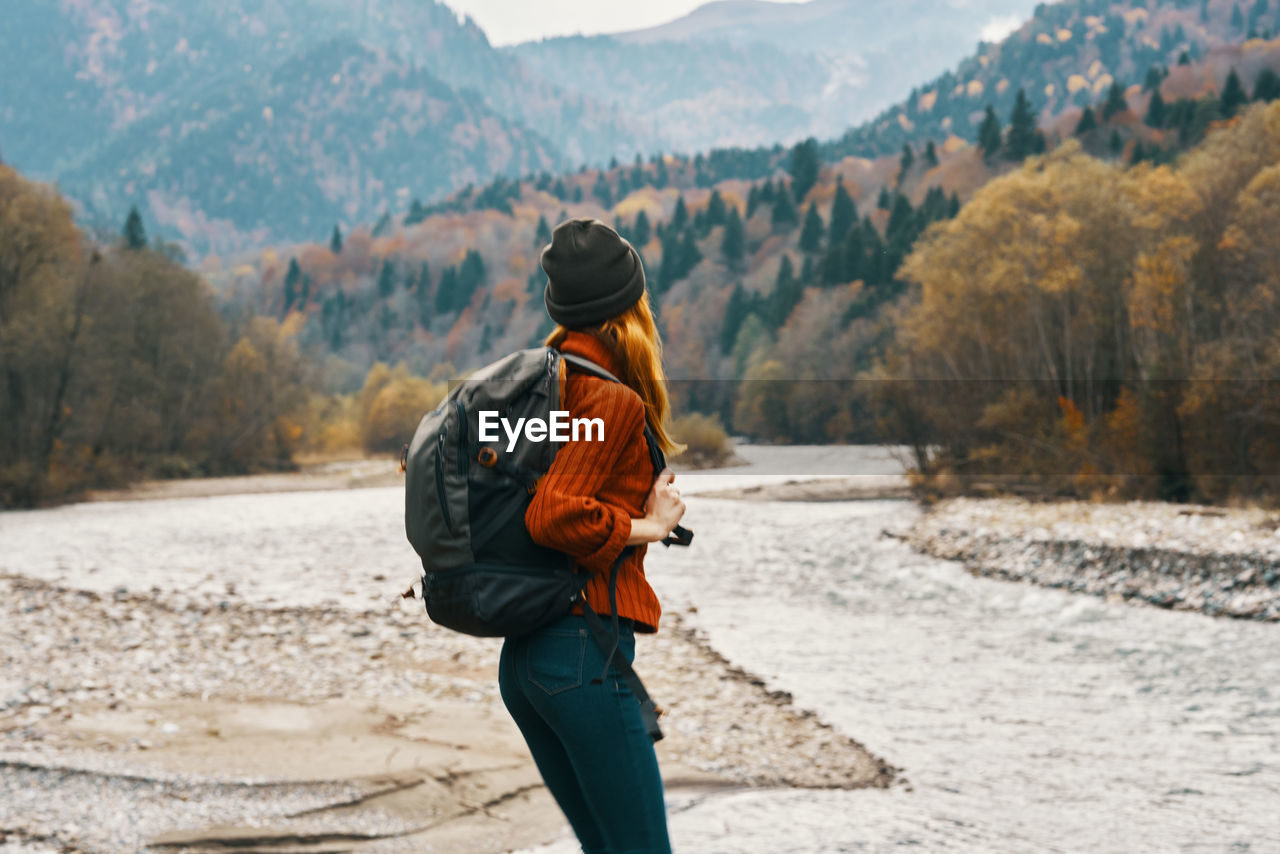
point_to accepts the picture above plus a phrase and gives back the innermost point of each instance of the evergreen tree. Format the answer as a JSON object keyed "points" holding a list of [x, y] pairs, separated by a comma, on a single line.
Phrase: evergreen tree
{"points": [[804, 167], [734, 314], [733, 244], [989, 134], [1204, 11], [335, 241], [1087, 122], [135, 235], [417, 213], [787, 292], [603, 192], [905, 162], [446, 291], [1233, 95], [577, 193], [843, 213], [1153, 80], [680, 218], [1115, 104], [1022, 129], [291, 281], [811, 233], [689, 253], [542, 233], [931, 154], [1115, 143], [1237, 19], [784, 211], [715, 210], [640, 230], [1155, 111], [470, 277], [386, 280], [1267, 86], [884, 201], [559, 190], [660, 180], [753, 200]]}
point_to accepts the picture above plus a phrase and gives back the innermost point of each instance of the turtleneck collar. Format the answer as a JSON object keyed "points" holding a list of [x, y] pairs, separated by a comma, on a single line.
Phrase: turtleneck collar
{"points": [[589, 347]]}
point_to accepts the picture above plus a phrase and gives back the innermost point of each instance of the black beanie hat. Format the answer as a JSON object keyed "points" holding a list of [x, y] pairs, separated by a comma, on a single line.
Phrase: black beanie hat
{"points": [[593, 274]]}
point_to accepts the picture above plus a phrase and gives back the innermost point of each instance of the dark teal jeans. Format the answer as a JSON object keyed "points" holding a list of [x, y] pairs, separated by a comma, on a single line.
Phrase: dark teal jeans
{"points": [[588, 741]]}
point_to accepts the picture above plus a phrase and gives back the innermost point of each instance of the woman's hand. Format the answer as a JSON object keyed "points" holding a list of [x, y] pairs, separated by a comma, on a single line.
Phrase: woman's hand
{"points": [[662, 511]]}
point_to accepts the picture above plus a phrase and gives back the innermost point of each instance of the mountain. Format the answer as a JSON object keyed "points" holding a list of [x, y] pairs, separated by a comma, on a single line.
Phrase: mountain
{"points": [[90, 84], [1068, 55], [745, 73], [332, 135]]}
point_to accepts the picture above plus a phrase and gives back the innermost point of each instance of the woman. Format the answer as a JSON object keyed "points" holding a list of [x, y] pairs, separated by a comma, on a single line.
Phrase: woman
{"points": [[588, 740]]}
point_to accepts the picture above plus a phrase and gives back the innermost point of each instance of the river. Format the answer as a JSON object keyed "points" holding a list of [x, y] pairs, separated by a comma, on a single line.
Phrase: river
{"points": [[1024, 719]]}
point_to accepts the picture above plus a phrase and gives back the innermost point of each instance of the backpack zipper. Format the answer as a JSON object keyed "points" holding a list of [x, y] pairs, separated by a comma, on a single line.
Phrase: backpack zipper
{"points": [[462, 438], [444, 504]]}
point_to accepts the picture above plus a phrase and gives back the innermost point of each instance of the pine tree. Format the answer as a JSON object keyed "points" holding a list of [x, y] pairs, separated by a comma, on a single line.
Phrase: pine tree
{"points": [[784, 210], [811, 233], [1204, 11], [787, 291], [135, 235], [931, 154], [905, 162], [1022, 129], [715, 210], [422, 295], [1267, 87], [1153, 79], [446, 291], [680, 218], [804, 167], [884, 201], [1237, 19], [844, 213], [1155, 111], [733, 244], [1233, 94], [689, 253], [335, 241], [1087, 122], [989, 134], [1115, 144], [541, 234], [291, 281], [1115, 104], [386, 280], [734, 313], [640, 230]]}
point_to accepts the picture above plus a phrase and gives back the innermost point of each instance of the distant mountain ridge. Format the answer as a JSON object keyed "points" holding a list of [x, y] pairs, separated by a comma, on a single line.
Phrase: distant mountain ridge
{"points": [[826, 64], [102, 94]]}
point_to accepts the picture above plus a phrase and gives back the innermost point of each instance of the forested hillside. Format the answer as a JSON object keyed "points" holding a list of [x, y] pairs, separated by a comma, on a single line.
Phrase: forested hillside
{"points": [[97, 90]]}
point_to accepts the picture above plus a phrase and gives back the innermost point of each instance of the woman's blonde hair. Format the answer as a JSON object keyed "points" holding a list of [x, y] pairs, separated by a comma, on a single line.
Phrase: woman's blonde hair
{"points": [[632, 337]]}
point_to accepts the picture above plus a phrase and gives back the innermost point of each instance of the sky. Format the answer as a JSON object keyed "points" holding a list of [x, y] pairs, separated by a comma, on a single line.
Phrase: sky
{"points": [[511, 21]]}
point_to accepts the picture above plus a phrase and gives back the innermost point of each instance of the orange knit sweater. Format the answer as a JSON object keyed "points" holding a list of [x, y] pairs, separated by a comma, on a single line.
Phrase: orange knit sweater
{"points": [[584, 504]]}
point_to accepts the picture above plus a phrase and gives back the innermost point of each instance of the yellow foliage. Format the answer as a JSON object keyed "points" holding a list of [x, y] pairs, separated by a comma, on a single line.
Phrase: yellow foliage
{"points": [[1102, 84], [927, 100], [1075, 83], [975, 87], [1044, 38]]}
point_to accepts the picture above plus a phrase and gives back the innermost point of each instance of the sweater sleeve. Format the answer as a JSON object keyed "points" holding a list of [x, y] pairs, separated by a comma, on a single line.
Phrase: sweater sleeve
{"points": [[565, 513]]}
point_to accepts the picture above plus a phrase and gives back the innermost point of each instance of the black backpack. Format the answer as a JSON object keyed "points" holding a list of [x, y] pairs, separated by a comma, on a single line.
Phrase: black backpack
{"points": [[465, 502]]}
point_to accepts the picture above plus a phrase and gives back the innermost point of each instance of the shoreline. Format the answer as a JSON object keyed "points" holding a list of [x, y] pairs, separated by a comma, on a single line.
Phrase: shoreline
{"points": [[1219, 561], [130, 720]]}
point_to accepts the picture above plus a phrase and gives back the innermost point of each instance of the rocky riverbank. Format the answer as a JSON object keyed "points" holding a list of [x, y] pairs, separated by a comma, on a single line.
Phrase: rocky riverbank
{"points": [[1217, 560], [138, 719]]}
